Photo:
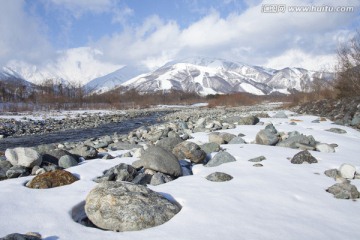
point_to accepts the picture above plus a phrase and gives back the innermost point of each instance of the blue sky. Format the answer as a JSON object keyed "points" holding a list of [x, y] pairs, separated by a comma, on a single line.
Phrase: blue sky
{"points": [[152, 32]]}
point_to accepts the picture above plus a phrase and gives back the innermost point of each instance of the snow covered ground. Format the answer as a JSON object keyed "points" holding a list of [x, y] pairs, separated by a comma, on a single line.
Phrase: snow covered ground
{"points": [[277, 201]]}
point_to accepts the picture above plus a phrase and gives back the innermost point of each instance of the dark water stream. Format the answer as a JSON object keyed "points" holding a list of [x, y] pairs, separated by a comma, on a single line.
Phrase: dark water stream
{"points": [[74, 135]]}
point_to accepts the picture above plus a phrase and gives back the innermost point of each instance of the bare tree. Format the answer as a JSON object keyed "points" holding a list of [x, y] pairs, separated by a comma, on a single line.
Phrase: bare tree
{"points": [[348, 68]]}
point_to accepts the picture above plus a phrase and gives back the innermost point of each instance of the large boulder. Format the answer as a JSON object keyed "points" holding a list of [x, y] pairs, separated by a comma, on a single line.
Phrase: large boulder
{"points": [[169, 143], [26, 157], [303, 157], [189, 150], [344, 190], [53, 155], [158, 159], [52, 179], [121, 206], [220, 158], [266, 137]]}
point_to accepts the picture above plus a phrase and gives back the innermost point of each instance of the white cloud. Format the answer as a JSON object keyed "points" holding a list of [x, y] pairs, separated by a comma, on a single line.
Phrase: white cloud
{"points": [[252, 37], [21, 35]]}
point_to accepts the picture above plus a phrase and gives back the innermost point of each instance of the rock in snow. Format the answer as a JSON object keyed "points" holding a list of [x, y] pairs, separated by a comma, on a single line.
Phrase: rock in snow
{"points": [[189, 150], [303, 157], [344, 191], [121, 206], [220, 158], [26, 157], [219, 177], [52, 179], [347, 171]]}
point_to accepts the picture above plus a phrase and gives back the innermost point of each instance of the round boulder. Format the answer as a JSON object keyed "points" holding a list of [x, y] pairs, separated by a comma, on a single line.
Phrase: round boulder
{"points": [[347, 171], [219, 177], [121, 206]]}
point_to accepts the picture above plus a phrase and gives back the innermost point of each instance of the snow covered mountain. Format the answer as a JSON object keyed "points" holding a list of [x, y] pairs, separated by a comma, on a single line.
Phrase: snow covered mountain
{"points": [[8, 76], [216, 76], [76, 66]]}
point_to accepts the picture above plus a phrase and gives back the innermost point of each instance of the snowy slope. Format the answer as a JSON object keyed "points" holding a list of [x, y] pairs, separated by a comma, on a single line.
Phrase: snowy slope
{"points": [[114, 79], [279, 201], [7, 75]]}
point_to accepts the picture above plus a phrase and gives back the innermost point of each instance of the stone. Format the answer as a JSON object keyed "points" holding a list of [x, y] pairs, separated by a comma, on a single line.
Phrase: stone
{"points": [[258, 165], [221, 138], [347, 171], [160, 178], [303, 157], [210, 147], [324, 147], [280, 114], [189, 150], [266, 137], [18, 236], [67, 161], [344, 191], [257, 159], [123, 146], [169, 143], [17, 171], [336, 130], [249, 120], [121, 206], [85, 151], [121, 172], [26, 157], [237, 140], [160, 160], [153, 136], [333, 173], [219, 177], [220, 158], [52, 179]]}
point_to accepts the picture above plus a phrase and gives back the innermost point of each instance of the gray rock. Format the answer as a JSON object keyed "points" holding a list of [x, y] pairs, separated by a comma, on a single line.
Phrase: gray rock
{"points": [[189, 150], [257, 159], [160, 160], [237, 140], [258, 165], [336, 130], [344, 191], [17, 171], [303, 156], [26, 157], [138, 207], [67, 161], [266, 137], [347, 171], [280, 114], [249, 120], [271, 128], [220, 158], [219, 177], [85, 151], [121, 172], [210, 147], [333, 173], [18, 236], [169, 143], [53, 155], [160, 178], [153, 136], [324, 147]]}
